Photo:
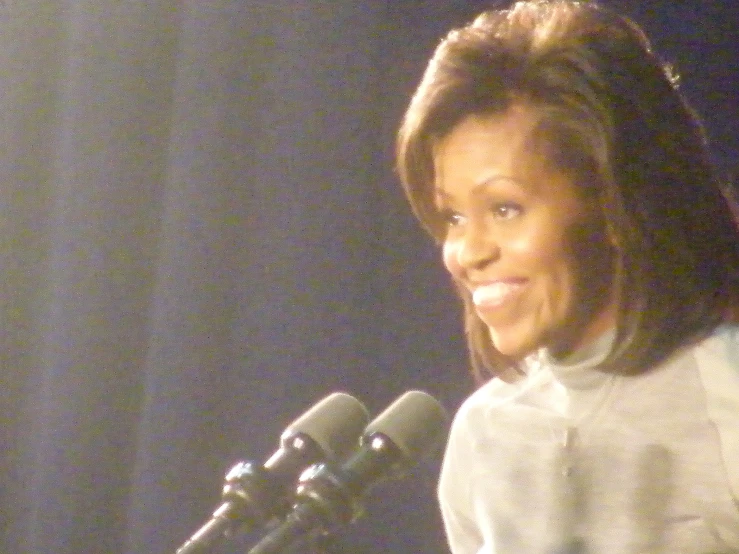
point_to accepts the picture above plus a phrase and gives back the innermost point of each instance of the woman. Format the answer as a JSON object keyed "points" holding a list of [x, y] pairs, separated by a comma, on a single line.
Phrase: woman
{"points": [[549, 152]]}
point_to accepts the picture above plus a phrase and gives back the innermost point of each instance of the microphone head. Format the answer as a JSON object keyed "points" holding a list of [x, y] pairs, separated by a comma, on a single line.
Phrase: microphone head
{"points": [[416, 422], [334, 424]]}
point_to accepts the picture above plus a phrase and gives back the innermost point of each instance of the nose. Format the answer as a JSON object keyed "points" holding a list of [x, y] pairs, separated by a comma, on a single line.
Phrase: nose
{"points": [[473, 249]]}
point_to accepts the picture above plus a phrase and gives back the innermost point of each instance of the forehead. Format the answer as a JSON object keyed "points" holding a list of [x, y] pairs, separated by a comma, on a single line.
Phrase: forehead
{"points": [[502, 144], [503, 156]]}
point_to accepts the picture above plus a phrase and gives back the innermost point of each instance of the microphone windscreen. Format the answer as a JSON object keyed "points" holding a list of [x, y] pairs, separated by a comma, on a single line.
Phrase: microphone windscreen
{"points": [[415, 423], [334, 424]]}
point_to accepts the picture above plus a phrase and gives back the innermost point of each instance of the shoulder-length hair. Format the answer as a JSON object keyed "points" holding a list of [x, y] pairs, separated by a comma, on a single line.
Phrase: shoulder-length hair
{"points": [[612, 116]]}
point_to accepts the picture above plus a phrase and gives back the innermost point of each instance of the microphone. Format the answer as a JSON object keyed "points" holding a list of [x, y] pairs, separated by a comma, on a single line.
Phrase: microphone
{"points": [[327, 498], [254, 494]]}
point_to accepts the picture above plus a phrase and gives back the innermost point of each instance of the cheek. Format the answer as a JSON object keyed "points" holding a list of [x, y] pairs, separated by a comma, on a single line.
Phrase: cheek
{"points": [[558, 270], [544, 257]]}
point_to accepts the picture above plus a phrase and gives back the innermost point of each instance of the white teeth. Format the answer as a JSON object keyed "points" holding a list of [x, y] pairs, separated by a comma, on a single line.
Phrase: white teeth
{"points": [[494, 293]]}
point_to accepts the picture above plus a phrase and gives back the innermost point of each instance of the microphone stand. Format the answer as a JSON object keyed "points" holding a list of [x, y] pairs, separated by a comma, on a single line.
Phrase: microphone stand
{"points": [[328, 498], [245, 490], [319, 542]]}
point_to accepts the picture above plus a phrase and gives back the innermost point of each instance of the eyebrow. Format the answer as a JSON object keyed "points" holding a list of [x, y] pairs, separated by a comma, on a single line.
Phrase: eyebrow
{"points": [[439, 191]]}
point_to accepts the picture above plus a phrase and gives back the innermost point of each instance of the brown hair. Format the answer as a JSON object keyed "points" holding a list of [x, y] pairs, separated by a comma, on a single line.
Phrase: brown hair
{"points": [[614, 119]]}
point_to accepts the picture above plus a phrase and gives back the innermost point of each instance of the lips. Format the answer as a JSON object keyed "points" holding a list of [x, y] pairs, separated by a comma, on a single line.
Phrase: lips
{"points": [[496, 293]]}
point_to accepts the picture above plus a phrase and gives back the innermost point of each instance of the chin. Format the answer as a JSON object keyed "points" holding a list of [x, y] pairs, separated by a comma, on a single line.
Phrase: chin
{"points": [[514, 345]]}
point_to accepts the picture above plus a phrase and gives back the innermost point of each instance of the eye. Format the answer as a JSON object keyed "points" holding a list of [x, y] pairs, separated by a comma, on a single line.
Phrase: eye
{"points": [[450, 218], [506, 210]]}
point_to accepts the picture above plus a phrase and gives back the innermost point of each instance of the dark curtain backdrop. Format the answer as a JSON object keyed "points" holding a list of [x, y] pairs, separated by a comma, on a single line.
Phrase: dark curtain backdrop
{"points": [[202, 236]]}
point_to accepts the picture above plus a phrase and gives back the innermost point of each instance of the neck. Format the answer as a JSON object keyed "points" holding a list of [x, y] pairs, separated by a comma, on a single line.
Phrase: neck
{"points": [[603, 321]]}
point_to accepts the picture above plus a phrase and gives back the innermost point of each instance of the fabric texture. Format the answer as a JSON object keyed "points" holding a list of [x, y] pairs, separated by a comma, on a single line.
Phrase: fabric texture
{"points": [[571, 459]]}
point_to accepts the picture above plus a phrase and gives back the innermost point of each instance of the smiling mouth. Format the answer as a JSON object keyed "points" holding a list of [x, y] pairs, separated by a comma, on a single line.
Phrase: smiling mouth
{"points": [[496, 293]]}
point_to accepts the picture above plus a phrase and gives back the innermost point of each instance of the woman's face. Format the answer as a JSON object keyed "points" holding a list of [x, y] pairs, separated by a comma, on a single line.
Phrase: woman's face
{"points": [[516, 234]]}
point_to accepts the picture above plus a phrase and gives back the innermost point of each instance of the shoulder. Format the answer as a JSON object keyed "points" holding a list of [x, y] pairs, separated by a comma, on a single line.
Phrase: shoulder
{"points": [[472, 413], [722, 345], [712, 358], [494, 395], [483, 425], [717, 360], [499, 409], [700, 377], [717, 363]]}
